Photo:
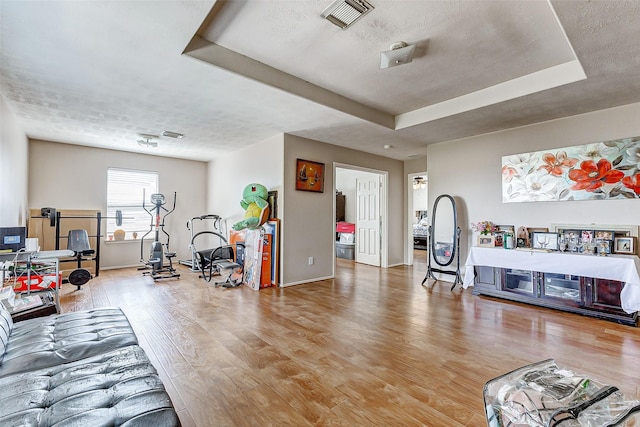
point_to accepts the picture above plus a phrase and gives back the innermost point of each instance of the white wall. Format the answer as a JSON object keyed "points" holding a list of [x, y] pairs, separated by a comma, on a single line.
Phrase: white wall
{"points": [[308, 229], [260, 163], [13, 169], [420, 200], [228, 175], [68, 176], [470, 170], [346, 182]]}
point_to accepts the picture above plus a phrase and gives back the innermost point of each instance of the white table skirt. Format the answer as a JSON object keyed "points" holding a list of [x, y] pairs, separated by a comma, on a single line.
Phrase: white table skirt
{"points": [[623, 268]]}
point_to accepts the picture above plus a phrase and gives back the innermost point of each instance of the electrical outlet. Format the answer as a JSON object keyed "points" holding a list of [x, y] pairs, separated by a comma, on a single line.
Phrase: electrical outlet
{"points": [[310, 260]]}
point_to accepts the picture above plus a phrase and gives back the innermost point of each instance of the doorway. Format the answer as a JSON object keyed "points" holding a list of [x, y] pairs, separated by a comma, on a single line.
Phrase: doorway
{"points": [[364, 194], [417, 213]]}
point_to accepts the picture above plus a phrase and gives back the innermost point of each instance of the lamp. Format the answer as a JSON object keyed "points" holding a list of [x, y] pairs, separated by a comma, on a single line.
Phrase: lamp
{"points": [[399, 53], [419, 182]]}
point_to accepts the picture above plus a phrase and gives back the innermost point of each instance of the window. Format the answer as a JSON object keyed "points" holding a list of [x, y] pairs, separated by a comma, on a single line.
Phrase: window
{"points": [[125, 188]]}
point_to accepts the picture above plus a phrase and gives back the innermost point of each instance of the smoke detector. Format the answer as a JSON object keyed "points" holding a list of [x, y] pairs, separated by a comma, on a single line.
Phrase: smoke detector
{"points": [[344, 13]]}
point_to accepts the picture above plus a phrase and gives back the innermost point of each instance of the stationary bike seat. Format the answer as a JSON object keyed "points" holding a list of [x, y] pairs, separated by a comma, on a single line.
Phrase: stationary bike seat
{"points": [[170, 254]]}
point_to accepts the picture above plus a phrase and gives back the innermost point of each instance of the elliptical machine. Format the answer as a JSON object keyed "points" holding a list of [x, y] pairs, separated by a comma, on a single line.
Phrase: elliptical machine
{"points": [[155, 262]]}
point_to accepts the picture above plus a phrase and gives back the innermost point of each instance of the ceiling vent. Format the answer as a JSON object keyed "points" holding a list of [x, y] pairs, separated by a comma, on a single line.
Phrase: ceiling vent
{"points": [[343, 13], [172, 134]]}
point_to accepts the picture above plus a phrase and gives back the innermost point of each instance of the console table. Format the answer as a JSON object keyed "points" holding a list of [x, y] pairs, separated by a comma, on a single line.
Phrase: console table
{"points": [[601, 286]]}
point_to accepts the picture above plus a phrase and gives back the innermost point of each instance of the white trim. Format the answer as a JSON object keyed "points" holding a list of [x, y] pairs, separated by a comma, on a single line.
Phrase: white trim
{"points": [[302, 282], [384, 209], [410, 212], [569, 72]]}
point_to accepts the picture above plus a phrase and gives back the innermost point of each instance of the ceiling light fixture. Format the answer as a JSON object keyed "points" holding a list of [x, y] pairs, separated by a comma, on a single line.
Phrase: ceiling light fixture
{"points": [[171, 134], [344, 13], [399, 53], [146, 141], [419, 182]]}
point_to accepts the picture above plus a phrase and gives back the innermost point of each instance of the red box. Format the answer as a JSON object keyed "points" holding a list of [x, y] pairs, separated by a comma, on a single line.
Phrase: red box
{"points": [[265, 273], [36, 280], [345, 227]]}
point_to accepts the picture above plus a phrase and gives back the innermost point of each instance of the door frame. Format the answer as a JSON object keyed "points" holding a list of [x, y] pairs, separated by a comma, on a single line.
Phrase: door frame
{"points": [[384, 214], [411, 212]]}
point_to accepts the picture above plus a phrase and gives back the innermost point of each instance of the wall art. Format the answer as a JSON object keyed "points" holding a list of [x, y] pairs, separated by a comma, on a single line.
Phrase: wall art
{"points": [[603, 170], [309, 176]]}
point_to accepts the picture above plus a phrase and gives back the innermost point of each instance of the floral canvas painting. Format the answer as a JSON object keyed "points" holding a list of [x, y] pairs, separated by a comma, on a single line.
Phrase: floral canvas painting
{"points": [[604, 170]]}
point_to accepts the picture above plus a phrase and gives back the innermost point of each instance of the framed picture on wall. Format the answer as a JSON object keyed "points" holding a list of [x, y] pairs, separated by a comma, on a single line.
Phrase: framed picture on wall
{"points": [[309, 176], [273, 204]]}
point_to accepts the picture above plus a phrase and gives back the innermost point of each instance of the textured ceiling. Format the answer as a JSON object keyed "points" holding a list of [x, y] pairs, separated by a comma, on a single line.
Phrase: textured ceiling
{"points": [[229, 74]]}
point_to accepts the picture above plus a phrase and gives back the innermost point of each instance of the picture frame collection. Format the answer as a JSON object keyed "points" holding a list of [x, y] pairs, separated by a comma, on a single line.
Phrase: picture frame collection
{"points": [[576, 240]]}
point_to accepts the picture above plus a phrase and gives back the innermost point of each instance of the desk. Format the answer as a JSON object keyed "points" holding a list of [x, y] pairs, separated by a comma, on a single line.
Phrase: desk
{"points": [[35, 261], [623, 268]]}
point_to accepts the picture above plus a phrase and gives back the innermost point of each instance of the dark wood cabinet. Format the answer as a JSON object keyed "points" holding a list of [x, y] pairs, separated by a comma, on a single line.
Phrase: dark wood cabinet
{"points": [[341, 203], [583, 295], [420, 242]]}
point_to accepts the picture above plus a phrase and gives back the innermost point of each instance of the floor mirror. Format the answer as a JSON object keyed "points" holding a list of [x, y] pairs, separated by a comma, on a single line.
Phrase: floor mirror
{"points": [[444, 241]]}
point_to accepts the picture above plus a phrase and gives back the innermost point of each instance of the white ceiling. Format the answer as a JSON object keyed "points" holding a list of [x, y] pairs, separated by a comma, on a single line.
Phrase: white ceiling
{"points": [[230, 74]]}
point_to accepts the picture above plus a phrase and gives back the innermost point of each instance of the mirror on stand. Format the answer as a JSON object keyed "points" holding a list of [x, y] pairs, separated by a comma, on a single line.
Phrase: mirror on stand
{"points": [[444, 240]]}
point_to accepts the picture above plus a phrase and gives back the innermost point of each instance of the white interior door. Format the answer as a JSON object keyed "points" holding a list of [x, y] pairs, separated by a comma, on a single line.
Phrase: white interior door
{"points": [[368, 221]]}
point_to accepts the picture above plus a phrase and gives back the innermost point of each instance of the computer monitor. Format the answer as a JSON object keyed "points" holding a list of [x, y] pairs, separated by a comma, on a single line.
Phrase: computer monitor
{"points": [[12, 239]]}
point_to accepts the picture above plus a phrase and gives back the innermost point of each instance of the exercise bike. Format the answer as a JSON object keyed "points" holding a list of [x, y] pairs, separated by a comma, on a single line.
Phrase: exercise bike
{"points": [[158, 254]]}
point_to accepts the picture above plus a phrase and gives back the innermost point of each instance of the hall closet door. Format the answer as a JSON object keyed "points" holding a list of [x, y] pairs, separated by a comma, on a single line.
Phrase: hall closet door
{"points": [[368, 221]]}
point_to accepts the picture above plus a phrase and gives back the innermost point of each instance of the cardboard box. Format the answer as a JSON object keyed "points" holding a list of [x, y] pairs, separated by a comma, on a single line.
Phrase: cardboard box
{"points": [[265, 272], [253, 258], [38, 282], [345, 227], [347, 238]]}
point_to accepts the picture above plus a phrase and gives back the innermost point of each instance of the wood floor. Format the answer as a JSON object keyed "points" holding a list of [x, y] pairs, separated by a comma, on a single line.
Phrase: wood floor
{"points": [[372, 347]]}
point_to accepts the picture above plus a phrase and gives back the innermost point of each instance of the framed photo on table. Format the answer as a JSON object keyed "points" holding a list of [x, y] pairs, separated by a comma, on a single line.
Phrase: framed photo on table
{"points": [[624, 245], [499, 235], [486, 241], [531, 230], [544, 240], [604, 234]]}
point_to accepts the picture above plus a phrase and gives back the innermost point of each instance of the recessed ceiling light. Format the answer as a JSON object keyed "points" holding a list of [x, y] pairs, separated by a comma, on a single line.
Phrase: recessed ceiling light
{"points": [[171, 134]]}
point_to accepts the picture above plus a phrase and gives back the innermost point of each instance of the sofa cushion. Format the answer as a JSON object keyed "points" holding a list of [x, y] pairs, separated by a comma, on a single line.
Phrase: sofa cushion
{"points": [[118, 388], [6, 326], [63, 338]]}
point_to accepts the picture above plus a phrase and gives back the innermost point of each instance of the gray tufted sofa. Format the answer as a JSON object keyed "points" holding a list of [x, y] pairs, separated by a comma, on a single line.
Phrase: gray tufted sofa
{"points": [[78, 369]]}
